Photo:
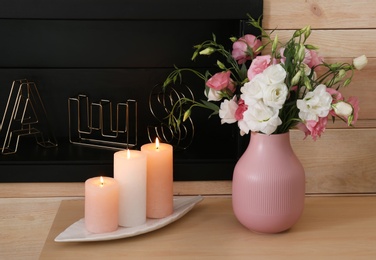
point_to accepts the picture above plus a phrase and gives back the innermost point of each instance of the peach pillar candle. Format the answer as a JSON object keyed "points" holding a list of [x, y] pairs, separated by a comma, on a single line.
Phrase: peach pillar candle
{"points": [[130, 172], [159, 202], [101, 204]]}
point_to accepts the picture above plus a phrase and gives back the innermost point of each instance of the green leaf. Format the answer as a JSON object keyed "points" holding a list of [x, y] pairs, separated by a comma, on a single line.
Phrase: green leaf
{"points": [[213, 114], [210, 105]]}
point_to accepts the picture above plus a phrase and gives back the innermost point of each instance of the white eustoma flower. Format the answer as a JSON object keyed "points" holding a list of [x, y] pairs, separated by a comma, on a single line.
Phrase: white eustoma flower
{"points": [[275, 95], [275, 74], [213, 95], [252, 91], [315, 104], [227, 111], [343, 108], [262, 118], [360, 62], [244, 129]]}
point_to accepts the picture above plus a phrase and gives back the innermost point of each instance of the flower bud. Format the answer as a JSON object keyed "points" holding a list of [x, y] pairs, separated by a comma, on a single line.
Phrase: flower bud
{"points": [[233, 39], [194, 55], [360, 62], [166, 82], [275, 44], [339, 77], [296, 78], [300, 55], [307, 31], [207, 51], [334, 66], [343, 108], [297, 33], [221, 65], [307, 83], [311, 47], [187, 114], [347, 82], [259, 49]]}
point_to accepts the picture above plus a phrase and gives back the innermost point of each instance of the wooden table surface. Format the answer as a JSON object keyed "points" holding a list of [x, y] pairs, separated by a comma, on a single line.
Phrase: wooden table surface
{"points": [[330, 228]]}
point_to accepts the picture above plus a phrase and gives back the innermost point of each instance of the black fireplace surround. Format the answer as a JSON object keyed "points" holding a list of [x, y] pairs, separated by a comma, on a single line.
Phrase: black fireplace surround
{"points": [[116, 50]]}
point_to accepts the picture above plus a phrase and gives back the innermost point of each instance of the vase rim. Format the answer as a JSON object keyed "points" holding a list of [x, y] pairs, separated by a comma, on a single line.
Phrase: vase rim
{"points": [[254, 133]]}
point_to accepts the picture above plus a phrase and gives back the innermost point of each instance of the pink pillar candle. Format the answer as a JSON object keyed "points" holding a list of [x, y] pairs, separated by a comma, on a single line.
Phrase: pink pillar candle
{"points": [[159, 202], [101, 204], [130, 172]]}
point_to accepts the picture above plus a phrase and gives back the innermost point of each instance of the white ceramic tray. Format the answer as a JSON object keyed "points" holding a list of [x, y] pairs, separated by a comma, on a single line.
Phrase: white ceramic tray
{"points": [[78, 233]]}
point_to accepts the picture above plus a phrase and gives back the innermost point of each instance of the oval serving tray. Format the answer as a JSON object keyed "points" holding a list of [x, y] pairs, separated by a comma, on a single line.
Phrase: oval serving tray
{"points": [[78, 233]]}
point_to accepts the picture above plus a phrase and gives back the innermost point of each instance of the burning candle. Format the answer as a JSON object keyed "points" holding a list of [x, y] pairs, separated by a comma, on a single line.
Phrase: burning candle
{"points": [[159, 202], [130, 172], [101, 204]]}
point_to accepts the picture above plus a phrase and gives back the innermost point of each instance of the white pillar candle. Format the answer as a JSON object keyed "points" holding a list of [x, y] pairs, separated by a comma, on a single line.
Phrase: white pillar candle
{"points": [[101, 204], [159, 179], [130, 172]]}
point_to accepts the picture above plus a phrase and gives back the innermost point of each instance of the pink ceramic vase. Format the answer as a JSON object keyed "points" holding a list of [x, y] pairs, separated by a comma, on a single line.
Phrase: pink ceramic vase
{"points": [[268, 186]]}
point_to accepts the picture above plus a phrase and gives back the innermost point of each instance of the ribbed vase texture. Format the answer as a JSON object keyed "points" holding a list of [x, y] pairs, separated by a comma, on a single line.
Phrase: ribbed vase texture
{"points": [[268, 187]]}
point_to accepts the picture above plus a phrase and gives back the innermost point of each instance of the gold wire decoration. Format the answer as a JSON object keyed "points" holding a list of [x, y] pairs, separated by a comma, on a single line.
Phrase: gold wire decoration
{"points": [[161, 102], [102, 124], [24, 115]]}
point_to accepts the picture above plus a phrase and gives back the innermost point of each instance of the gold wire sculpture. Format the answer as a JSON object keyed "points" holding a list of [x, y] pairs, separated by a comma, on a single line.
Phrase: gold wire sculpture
{"points": [[161, 102], [101, 124], [25, 115]]}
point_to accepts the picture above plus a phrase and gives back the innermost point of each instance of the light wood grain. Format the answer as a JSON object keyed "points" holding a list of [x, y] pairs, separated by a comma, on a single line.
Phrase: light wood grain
{"points": [[341, 161], [330, 228], [324, 14], [24, 224], [337, 43]]}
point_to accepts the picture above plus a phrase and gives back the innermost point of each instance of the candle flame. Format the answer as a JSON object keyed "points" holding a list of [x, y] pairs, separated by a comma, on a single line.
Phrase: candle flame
{"points": [[128, 154], [101, 181], [156, 143]]}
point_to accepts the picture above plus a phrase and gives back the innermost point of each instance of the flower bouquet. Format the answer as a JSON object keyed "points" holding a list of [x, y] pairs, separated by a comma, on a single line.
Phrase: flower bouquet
{"points": [[290, 87]]}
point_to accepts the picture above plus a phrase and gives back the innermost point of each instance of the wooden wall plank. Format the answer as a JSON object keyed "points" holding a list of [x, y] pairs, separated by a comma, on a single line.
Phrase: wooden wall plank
{"points": [[337, 43], [323, 14], [341, 161]]}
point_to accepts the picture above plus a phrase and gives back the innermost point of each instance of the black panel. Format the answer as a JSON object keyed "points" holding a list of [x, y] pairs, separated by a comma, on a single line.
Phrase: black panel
{"points": [[116, 50], [130, 9], [106, 44]]}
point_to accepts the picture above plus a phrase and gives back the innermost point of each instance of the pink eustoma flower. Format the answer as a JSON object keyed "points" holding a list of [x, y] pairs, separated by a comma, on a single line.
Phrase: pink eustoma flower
{"points": [[220, 81], [259, 64], [302, 127], [317, 128], [313, 128], [240, 110], [245, 48], [312, 58]]}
